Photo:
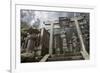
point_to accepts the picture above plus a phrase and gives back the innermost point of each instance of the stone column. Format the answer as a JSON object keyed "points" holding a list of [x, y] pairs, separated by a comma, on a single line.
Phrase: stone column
{"points": [[51, 39], [84, 52], [30, 44]]}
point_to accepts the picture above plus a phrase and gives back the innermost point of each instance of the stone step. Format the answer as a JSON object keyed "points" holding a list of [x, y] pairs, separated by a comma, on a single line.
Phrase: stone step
{"points": [[66, 57]]}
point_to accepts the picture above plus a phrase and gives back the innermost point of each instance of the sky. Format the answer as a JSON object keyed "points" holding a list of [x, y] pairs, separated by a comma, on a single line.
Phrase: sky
{"points": [[38, 17]]}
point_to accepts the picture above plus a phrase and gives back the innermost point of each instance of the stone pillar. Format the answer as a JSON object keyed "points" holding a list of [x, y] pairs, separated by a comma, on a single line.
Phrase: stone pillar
{"points": [[41, 44], [30, 44], [51, 40], [84, 52]]}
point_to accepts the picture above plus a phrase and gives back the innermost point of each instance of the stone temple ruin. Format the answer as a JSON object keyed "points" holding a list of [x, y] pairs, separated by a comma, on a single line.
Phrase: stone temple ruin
{"points": [[61, 40]]}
